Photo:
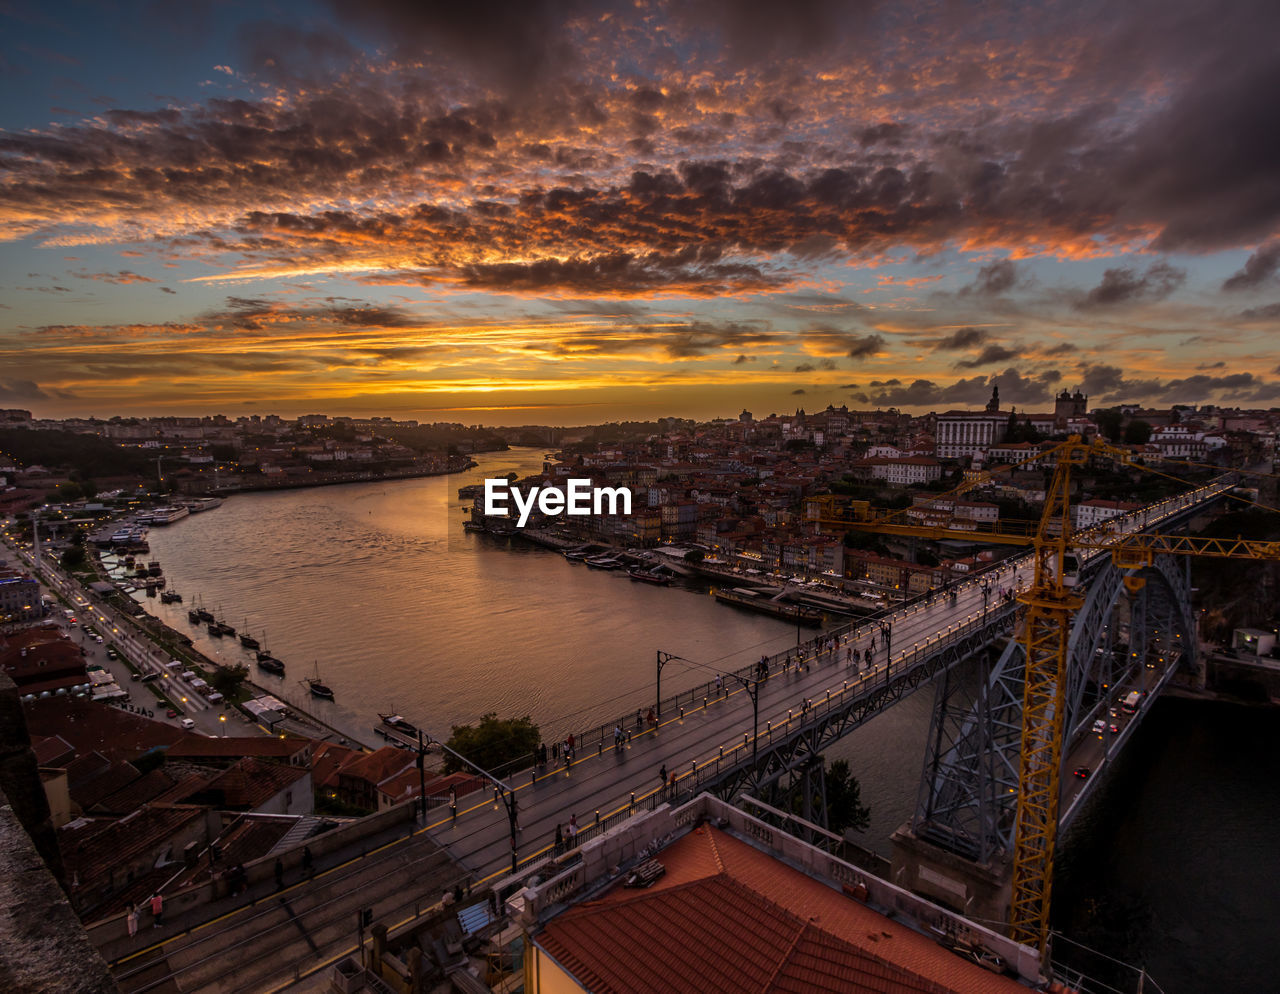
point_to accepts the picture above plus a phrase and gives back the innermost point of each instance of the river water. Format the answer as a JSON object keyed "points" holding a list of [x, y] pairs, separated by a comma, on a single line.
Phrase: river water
{"points": [[377, 587]]}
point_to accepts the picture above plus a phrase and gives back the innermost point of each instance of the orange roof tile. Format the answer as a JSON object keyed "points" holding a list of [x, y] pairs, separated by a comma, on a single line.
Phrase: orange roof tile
{"points": [[729, 918]]}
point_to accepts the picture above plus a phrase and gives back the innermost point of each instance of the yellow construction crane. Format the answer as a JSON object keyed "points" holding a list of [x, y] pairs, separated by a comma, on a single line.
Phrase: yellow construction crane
{"points": [[1051, 602]]}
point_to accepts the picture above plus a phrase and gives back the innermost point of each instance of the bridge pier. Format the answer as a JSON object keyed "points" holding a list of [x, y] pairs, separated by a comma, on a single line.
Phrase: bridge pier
{"points": [[980, 891]]}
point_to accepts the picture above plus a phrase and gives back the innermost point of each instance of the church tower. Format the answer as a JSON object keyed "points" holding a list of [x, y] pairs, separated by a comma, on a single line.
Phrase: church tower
{"points": [[993, 404]]}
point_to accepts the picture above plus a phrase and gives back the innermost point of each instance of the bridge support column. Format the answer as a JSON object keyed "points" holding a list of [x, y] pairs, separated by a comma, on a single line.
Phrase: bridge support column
{"points": [[981, 891]]}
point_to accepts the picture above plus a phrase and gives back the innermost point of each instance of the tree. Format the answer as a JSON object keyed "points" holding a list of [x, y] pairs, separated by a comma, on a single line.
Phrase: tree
{"points": [[1110, 423], [844, 800], [74, 558], [1137, 432], [492, 743], [226, 680]]}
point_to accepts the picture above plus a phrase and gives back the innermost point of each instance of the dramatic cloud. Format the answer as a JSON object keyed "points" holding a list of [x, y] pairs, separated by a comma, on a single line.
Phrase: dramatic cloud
{"points": [[994, 279], [961, 338], [865, 347], [988, 357], [1124, 285], [1258, 269]]}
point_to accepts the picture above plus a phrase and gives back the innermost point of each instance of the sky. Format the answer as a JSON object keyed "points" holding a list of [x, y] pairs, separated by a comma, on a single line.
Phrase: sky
{"points": [[576, 211]]}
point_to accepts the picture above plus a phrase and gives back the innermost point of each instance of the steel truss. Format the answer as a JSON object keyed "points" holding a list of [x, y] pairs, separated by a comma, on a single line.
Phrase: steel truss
{"points": [[968, 790]]}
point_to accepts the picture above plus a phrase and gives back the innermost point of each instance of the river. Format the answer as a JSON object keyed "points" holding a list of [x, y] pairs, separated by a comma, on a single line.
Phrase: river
{"points": [[377, 587]]}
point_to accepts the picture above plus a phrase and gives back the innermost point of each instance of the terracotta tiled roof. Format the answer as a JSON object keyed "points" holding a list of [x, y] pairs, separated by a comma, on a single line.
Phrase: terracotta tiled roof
{"points": [[378, 766], [246, 785], [727, 918], [202, 747], [91, 725]]}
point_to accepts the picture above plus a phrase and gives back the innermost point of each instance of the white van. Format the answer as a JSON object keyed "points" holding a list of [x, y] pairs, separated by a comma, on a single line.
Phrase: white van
{"points": [[1130, 704], [188, 723]]}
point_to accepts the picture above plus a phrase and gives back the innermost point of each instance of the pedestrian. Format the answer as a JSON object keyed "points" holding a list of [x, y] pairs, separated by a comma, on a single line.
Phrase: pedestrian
{"points": [[306, 862], [559, 838], [555, 750], [662, 776], [671, 784], [157, 910], [719, 685], [279, 874], [848, 656], [569, 740], [573, 829], [132, 920], [651, 718]]}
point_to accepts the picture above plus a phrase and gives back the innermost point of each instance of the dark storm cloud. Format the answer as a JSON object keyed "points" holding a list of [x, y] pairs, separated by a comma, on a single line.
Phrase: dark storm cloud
{"points": [[25, 390], [1108, 383], [988, 357], [1015, 386], [993, 279], [513, 44], [1124, 284], [1258, 269], [1267, 312], [961, 338], [621, 273], [865, 346]]}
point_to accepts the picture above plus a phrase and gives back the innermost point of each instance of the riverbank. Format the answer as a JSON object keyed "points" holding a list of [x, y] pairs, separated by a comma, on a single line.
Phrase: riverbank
{"points": [[323, 479]]}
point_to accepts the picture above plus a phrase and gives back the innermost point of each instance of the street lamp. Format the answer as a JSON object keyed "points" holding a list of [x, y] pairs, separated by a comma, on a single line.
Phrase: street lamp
{"points": [[223, 718], [886, 628], [662, 659], [501, 790], [752, 687]]}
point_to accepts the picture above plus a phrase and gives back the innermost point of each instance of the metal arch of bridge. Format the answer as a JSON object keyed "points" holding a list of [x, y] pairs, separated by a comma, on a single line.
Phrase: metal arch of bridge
{"points": [[968, 790], [789, 750]]}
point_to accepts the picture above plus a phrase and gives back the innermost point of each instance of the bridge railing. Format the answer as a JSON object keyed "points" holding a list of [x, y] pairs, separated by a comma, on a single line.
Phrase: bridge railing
{"points": [[593, 739]]}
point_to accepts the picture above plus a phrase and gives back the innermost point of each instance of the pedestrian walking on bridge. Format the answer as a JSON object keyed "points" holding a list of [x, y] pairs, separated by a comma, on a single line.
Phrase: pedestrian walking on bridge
{"points": [[662, 776]]}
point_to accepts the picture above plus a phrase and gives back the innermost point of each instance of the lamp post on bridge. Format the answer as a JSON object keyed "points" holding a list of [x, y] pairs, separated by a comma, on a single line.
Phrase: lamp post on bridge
{"points": [[752, 687], [502, 791], [886, 628], [662, 659]]}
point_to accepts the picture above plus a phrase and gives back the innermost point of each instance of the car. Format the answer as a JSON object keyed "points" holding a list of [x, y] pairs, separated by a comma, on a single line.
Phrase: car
{"points": [[187, 723], [1099, 726], [1115, 729], [171, 713], [1082, 772]]}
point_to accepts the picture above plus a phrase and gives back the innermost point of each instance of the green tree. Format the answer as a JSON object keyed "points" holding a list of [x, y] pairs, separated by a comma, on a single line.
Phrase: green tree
{"points": [[1110, 423], [491, 743], [74, 559], [226, 680], [844, 800], [1137, 432]]}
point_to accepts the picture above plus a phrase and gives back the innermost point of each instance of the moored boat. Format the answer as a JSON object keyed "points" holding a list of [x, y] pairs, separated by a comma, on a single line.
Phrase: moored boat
{"points": [[270, 664], [750, 599], [603, 562], [649, 576], [399, 724], [318, 687]]}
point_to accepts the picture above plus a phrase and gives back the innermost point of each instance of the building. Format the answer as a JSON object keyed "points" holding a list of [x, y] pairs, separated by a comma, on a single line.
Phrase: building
{"points": [[906, 471], [1069, 407], [735, 904], [963, 434], [19, 596]]}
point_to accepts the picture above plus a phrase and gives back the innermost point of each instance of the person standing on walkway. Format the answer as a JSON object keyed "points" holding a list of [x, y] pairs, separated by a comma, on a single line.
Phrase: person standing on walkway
{"points": [[157, 910], [573, 829], [279, 874], [559, 838], [132, 920], [662, 776], [719, 685], [569, 740]]}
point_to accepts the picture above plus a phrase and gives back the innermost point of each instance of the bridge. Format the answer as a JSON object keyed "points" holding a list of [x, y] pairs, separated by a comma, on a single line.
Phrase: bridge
{"points": [[763, 735], [751, 735]]}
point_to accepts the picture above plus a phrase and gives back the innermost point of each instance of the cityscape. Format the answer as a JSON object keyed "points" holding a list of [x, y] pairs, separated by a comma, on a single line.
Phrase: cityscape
{"points": [[639, 498]]}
